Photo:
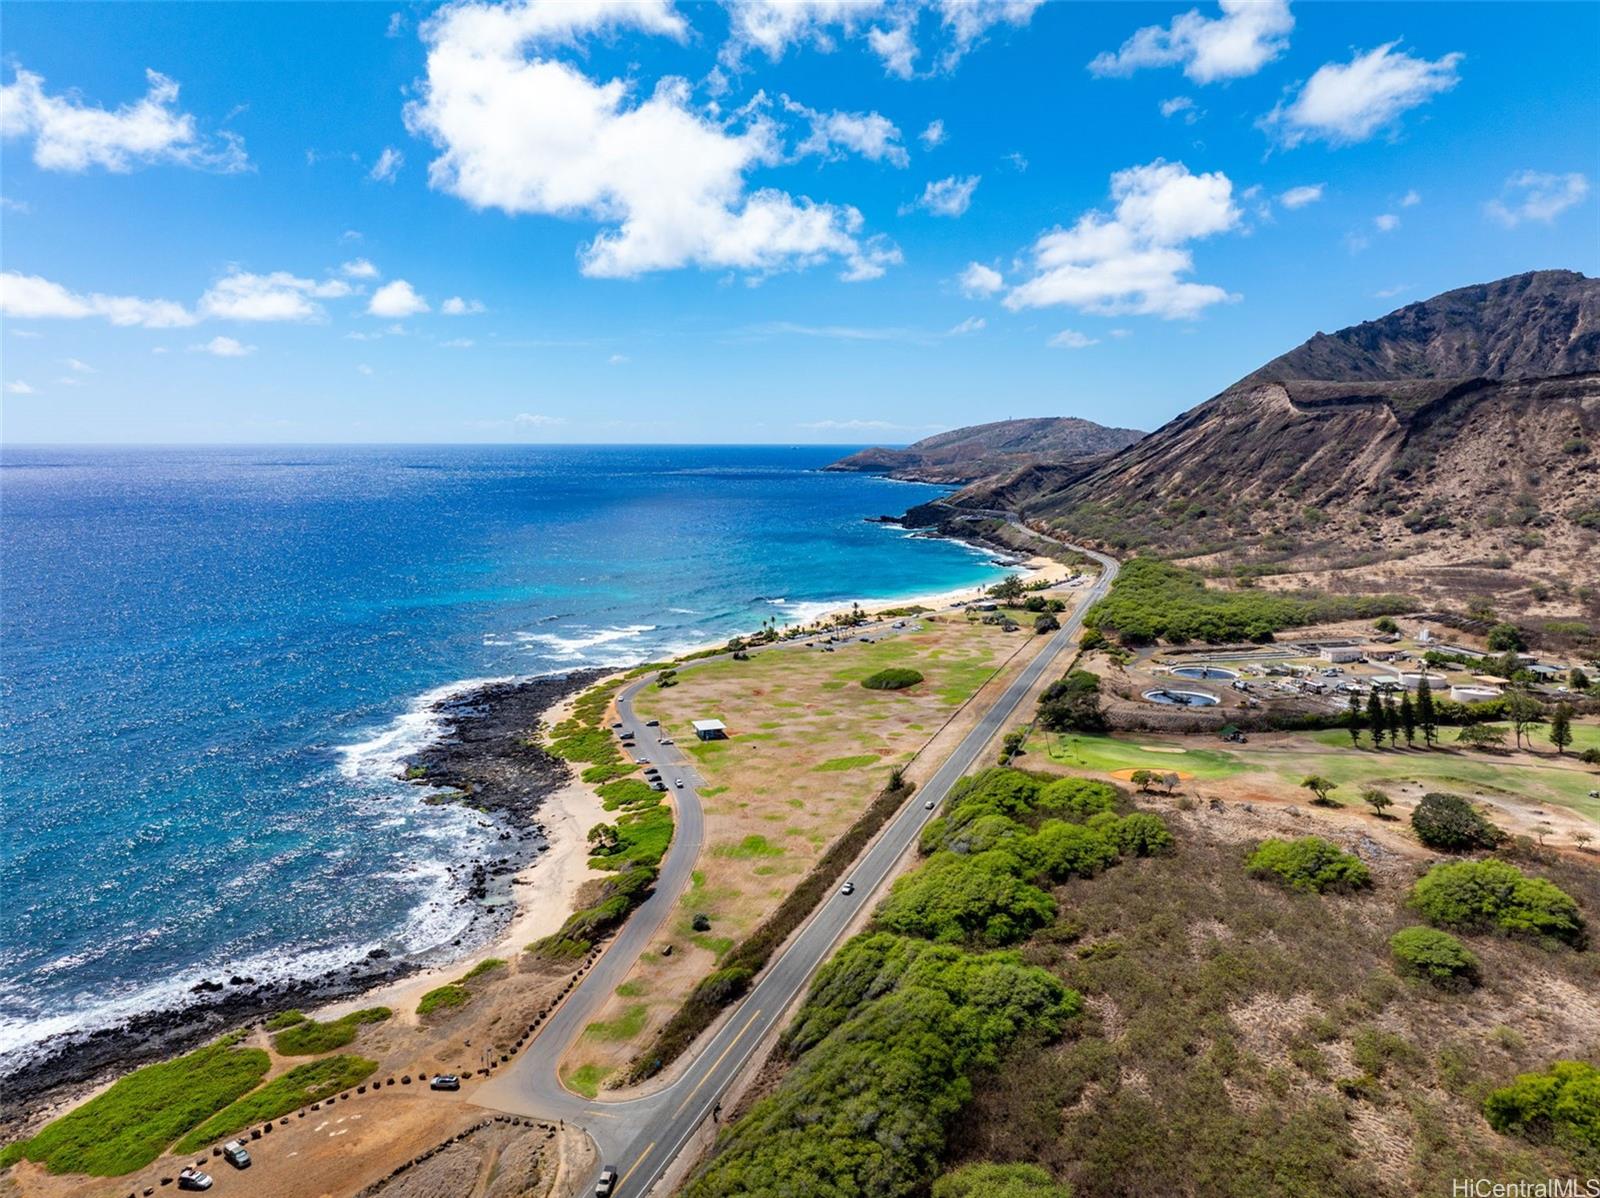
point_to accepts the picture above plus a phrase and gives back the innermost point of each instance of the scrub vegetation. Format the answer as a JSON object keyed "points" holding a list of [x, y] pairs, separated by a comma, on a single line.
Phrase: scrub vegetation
{"points": [[1153, 599], [897, 1022]]}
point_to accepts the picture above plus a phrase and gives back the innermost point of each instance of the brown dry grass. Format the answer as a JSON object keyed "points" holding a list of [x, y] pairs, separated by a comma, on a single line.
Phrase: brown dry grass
{"points": [[809, 748]]}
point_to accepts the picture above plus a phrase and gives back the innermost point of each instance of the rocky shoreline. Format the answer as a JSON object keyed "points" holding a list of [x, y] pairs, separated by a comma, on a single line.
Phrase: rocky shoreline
{"points": [[486, 759]]}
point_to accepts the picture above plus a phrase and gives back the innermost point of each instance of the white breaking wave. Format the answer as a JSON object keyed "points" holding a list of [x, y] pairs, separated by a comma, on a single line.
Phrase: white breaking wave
{"points": [[411, 731], [577, 646]]}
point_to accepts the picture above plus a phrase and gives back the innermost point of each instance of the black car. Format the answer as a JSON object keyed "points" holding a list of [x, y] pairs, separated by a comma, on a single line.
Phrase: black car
{"points": [[445, 1081]]}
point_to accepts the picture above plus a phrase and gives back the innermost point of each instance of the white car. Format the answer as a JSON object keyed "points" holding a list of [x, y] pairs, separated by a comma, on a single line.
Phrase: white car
{"points": [[193, 1179], [848, 888]]}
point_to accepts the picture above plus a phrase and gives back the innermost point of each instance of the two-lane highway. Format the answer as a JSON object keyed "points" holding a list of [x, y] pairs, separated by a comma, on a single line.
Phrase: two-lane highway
{"points": [[642, 1136]]}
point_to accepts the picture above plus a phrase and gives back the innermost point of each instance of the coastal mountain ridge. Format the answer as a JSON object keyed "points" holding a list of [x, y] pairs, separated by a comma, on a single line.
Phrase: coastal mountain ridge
{"points": [[1447, 449], [980, 451]]}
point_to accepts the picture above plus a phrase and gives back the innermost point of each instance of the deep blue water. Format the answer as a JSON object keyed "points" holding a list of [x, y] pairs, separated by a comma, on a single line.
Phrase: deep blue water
{"points": [[211, 659]]}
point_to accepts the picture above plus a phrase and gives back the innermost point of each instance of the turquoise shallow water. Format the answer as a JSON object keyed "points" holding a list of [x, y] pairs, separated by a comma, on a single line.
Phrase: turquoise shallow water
{"points": [[211, 660]]}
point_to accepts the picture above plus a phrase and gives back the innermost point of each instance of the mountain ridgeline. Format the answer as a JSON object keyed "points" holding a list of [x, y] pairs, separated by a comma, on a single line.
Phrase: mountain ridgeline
{"points": [[1451, 445], [982, 451]]}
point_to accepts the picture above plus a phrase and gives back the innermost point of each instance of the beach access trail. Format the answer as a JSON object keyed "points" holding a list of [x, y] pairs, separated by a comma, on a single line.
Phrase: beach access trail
{"points": [[643, 1135]]}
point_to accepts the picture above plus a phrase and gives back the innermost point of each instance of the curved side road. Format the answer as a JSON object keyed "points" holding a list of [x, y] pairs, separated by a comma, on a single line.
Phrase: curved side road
{"points": [[642, 1136]]}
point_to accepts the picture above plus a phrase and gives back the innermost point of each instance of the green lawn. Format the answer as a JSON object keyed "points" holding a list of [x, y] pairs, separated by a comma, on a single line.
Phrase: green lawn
{"points": [[586, 1079], [624, 1027], [309, 1037], [1107, 754], [1563, 782]]}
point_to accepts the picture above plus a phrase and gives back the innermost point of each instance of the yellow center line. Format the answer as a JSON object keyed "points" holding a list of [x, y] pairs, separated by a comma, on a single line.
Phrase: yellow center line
{"points": [[636, 1164], [713, 1066]]}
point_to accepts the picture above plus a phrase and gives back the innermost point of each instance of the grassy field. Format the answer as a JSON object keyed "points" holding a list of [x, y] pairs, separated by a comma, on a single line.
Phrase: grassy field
{"points": [[809, 747], [132, 1123], [311, 1082], [1277, 764], [308, 1037]]}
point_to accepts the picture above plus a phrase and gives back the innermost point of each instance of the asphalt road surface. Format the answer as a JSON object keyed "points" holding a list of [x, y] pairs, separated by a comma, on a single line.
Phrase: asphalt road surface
{"points": [[642, 1136]]}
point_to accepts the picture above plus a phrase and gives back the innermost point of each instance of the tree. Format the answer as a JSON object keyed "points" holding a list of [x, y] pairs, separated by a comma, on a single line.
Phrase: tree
{"points": [[1427, 718], [1169, 782], [1523, 710], [1386, 625], [1377, 800], [1450, 823], [1142, 779], [1542, 829], [1391, 719], [1482, 736], [1045, 623], [1072, 704], [1561, 727], [1582, 839], [1376, 720], [1506, 638], [1008, 590], [1320, 786], [1578, 680], [1408, 719]]}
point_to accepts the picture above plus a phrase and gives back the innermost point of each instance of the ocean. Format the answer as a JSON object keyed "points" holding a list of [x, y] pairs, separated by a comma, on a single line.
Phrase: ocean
{"points": [[212, 661]]}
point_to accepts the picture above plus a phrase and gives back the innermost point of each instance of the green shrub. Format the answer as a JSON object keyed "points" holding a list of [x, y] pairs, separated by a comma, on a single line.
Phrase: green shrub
{"points": [[1434, 956], [1451, 824], [483, 968], [896, 678], [618, 896], [1140, 834], [979, 899], [1309, 864], [1061, 850], [885, 1043], [1562, 1103], [1482, 896], [1152, 598], [283, 1019], [987, 1180], [309, 1037], [132, 1123], [1075, 799], [311, 1082], [444, 998]]}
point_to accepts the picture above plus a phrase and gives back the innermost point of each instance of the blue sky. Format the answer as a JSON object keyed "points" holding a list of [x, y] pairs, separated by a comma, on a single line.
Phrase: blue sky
{"points": [[799, 222]]}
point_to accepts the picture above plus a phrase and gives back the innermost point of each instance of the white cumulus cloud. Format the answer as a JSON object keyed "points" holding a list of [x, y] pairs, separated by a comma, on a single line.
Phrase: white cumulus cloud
{"points": [[979, 280], [1538, 196], [70, 134], [396, 300], [1346, 102], [1072, 339], [30, 296], [933, 135], [870, 134], [242, 295], [457, 306], [949, 196], [1299, 197], [1244, 38], [359, 268], [530, 135], [20, 387], [1387, 222], [224, 347], [1134, 259]]}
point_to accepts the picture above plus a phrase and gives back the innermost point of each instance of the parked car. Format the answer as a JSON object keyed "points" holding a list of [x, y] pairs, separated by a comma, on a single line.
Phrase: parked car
{"points": [[666, 740], [445, 1081], [652, 723], [193, 1179], [848, 888], [236, 1154], [607, 1184]]}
